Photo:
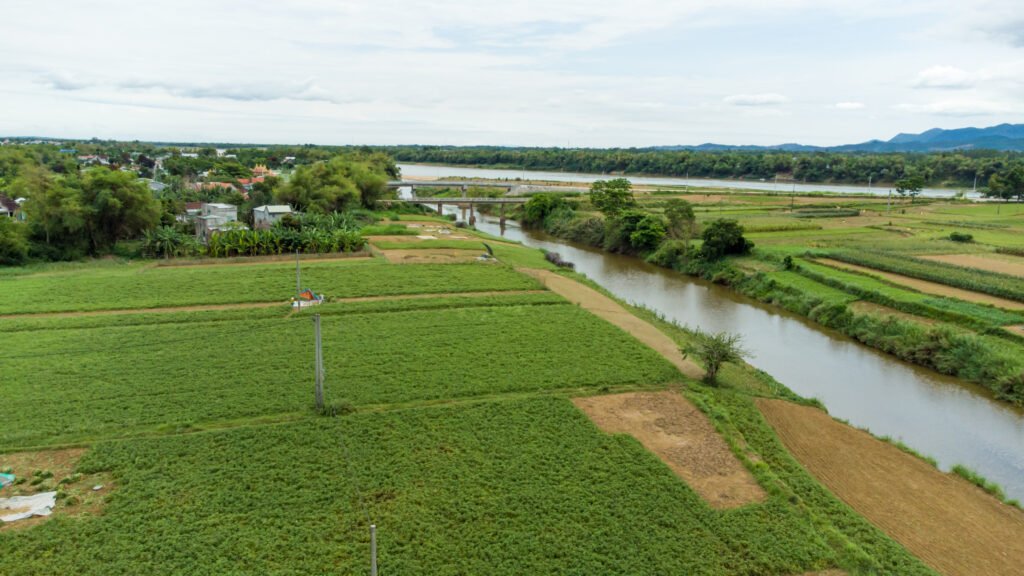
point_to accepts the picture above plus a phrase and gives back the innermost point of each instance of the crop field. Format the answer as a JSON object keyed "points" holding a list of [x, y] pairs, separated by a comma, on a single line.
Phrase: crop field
{"points": [[66, 384], [1002, 285], [148, 286], [511, 487]]}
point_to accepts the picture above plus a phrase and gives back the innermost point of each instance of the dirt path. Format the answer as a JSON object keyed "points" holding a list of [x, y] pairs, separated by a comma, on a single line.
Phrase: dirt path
{"points": [[680, 435], [926, 286], [262, 260], [945, 521], [982, 262], [243, 306], [604, 307]]}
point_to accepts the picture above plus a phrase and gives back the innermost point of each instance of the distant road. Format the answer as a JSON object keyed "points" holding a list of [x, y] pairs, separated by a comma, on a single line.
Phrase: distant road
{"points": [[412, 171]]}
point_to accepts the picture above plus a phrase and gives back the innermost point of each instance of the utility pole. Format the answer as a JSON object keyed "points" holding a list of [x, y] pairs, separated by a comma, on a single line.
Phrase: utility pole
{"points": [[373, 550], [298, 280], [319, 387]]}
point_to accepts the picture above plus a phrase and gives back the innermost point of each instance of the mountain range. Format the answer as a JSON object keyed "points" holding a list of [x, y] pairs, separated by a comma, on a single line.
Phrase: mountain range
{"points": [[1001, 137]]}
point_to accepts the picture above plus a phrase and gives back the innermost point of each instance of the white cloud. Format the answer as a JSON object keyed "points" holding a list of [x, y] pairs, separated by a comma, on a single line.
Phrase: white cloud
{"points": [[766, 99], [944, 77], [849, 106], [963, 107]]}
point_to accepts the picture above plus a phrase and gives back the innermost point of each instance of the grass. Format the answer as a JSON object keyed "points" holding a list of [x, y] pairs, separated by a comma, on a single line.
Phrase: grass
{"points": [[985, 484], [140, 285]]}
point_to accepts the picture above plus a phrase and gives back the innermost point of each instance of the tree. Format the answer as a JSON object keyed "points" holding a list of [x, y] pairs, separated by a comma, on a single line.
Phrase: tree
{"points": [[909, 186], [716, 349], [13, 242], [1007, 185], [53, 209], [538, 207], [611, 197], [722, 238], [648, 234], [117, 206], [682, 222]]}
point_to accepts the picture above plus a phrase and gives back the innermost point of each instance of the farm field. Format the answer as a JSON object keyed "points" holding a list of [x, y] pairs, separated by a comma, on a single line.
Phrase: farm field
{"points": [[454, 424]]}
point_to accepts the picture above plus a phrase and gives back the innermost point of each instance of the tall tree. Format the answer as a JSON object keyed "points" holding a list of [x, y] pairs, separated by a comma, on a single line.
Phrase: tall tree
{"points": [[611, 197], [910, 186], [117, 206], [682, 222], [1008, 184]]}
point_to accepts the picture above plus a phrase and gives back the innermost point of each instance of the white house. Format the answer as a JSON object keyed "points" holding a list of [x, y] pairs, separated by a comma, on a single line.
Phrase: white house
{"points": [[265, 216]]}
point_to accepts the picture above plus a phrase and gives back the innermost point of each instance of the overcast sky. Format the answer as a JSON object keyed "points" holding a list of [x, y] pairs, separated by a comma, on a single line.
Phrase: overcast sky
{"points": [[508, 72]]}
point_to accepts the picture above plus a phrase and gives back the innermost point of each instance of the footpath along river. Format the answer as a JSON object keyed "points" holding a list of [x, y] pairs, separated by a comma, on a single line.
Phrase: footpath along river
{"points": [[939, 416]]}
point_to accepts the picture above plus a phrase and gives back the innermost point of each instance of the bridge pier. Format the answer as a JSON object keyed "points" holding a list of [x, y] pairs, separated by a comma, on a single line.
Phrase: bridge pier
{"points": [[501, 216], [463, 209], [472, 216], [440, 209]]}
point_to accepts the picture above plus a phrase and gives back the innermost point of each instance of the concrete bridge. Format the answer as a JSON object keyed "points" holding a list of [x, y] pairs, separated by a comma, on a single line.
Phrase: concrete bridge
{"points": [[465, 203], [463, 185]]}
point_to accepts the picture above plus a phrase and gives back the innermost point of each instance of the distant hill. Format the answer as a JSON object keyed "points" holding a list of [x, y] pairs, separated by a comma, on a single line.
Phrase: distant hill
{"points": [[1001, 137]]}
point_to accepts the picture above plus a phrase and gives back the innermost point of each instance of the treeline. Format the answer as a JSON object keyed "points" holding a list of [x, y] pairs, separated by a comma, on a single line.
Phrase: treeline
{"points": [[936, 169]]}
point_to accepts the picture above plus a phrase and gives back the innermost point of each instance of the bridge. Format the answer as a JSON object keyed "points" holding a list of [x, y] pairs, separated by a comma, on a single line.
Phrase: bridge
{"points": [[456, 184], [465, 203]]}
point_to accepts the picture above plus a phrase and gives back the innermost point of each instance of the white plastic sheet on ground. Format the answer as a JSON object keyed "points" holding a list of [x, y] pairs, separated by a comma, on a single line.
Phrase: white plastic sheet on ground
{"points": [[21, 507]]}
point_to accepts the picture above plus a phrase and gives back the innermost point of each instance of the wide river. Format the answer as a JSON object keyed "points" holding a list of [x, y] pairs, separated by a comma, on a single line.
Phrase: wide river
{"points": [[434, 171], [953, 422]]}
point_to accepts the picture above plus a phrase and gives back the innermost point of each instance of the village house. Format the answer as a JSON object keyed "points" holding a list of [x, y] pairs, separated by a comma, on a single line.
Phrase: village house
{"points": [[215, 217], [11, 208], [263, 217]]}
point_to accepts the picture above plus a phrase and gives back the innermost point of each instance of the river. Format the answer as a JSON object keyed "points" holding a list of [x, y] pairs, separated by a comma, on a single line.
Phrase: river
{"points": [[939, 416], [434, 171]]}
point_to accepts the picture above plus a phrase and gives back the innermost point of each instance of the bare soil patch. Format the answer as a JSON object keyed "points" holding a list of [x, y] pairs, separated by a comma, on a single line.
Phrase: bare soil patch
{"points": [[604, 307], [49, 470], [683, 438], [862, 307], [981, 262], [950, 524], [431, 256], [928, 287], [1019, 329]]}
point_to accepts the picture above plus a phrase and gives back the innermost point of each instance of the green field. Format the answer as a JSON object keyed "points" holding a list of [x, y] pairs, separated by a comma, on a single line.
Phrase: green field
{"points": [[453, 433], [147, 286]]}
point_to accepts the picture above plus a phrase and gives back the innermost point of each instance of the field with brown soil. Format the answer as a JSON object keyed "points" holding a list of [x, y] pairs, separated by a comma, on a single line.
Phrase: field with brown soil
{"points": [[430, 256], [683, 438], [950, 524], [604, 307], [993, 263], [926, 286]]}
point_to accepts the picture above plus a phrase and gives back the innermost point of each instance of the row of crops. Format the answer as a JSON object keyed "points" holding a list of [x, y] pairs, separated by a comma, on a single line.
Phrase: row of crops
{"points": [[1002, 285]]}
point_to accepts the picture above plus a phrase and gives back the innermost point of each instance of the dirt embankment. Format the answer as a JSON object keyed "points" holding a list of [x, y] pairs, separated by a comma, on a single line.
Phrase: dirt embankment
{"points": [[982, 262], [926, 286], [604, 307], [950, 524], [680, 435]]}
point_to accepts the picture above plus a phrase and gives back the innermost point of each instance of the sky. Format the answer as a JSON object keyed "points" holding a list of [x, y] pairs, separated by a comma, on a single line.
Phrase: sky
{"points": [[567, 73]]}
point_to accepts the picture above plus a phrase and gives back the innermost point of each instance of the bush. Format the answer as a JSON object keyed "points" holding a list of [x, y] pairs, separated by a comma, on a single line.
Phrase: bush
{"points": [[722, 238], [961, 237], [671, 254], [556, 259]]}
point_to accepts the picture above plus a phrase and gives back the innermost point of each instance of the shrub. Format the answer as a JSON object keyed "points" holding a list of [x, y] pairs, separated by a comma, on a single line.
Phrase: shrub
{"points": [[671, 254], [722, 238], [961, 237], [556, 259], [13, 242]]}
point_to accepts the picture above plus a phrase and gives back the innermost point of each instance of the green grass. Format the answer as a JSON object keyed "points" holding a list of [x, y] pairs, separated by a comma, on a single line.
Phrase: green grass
{"points": [[802, 284], [74, 384], [509, 487], [442, 244], [133, 286]]}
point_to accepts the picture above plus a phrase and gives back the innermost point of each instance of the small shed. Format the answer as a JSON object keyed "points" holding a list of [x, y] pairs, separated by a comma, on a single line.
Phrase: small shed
{"points": [[265, 216]]}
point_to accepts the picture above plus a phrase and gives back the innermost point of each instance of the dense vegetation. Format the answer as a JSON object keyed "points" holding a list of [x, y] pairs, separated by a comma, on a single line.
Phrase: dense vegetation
{"points": [[951, 168]]}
